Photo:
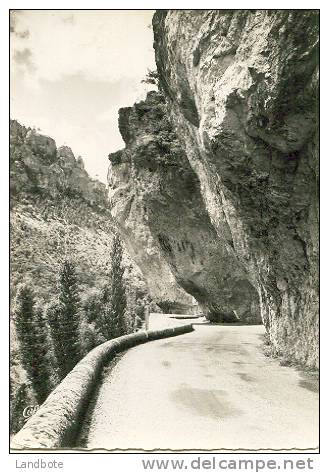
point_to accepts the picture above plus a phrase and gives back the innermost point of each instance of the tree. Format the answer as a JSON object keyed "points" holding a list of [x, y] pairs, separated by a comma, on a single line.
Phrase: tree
{"points": [[152, 77], [136, 307], [58, 338], [111, 322], [33, 339], [70, 314], [17, 405], [64, 319]]}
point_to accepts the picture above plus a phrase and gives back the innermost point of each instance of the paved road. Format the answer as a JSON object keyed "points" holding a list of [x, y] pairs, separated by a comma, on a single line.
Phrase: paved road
{"points": [[210, 389]]}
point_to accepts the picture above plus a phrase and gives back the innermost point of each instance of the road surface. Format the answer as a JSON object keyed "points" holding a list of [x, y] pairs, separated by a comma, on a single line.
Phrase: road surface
{"points": [[209, 389]]}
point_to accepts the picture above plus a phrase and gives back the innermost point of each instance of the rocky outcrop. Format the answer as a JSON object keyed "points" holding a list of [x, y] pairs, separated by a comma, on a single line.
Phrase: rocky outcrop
{"points": [[38, 167], [241, 87], [156, 199], [59, 212]]}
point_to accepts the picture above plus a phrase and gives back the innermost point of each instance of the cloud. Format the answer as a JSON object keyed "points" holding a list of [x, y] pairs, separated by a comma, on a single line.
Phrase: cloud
{"points": [[23, 58], [98, 44], [13, 20], [68, 19], [23, 34], [73, 71], [14, 24]]}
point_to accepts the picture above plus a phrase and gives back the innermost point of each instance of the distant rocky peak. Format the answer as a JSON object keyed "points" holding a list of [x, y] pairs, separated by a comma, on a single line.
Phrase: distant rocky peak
{"points": [[66, 152], [39, 168]]}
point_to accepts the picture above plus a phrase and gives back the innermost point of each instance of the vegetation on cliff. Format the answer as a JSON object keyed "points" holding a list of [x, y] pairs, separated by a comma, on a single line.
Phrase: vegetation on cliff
{"points": [[61, 229]]}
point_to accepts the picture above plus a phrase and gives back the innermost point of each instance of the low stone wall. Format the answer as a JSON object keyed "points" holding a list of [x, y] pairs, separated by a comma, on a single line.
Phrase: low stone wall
{"points": [[159, 321], [56, 422]]}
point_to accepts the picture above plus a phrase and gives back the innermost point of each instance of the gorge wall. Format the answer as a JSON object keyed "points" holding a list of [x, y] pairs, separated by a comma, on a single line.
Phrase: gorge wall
{"points": [[134, 189], [156, 199], [241, 88], [216, 191]]}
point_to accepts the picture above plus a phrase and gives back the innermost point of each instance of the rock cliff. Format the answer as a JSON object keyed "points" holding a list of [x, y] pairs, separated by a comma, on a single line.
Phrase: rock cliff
{"points": [[157, 202], [135, 197], [241, 88], [58, 212], [38, 167]]}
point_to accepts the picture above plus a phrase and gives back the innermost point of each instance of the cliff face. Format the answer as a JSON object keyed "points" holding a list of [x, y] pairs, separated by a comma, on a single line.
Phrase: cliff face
{"points": [[38, 167], [135, 191], [58, 212], [156, 198], [241, 87]]}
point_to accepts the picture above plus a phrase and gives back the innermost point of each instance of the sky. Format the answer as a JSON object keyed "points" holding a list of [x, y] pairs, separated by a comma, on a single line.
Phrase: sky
{"points": [[71, 71]]}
